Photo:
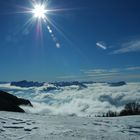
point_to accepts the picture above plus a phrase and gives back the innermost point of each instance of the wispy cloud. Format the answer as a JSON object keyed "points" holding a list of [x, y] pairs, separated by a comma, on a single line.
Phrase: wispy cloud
{"points": [[131, 46], [133, 68], [101, 71], [102, 74], [127, 73], [67, 77], [95, 71], [101, 45]]}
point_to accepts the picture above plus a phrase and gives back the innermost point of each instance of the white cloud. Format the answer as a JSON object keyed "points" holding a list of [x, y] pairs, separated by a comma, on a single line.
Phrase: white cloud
{"points": [[67, 77], [101, 45], [103, 74], [131, 46], [101, 71], [126, 73], [97, 71], [95, 99], [133, 68]]}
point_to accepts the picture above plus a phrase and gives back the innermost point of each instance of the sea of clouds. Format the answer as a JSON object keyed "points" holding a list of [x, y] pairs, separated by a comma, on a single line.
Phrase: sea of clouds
{"points": [[96, 99]]}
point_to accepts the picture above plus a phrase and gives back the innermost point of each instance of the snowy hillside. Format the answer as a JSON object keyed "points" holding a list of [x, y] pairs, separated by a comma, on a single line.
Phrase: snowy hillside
{"points": [[18, 126], [68, 112]]}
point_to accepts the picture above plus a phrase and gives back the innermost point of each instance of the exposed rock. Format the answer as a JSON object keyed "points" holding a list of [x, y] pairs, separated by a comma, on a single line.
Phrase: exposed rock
{"points": [[64, 84], [115, 84], [27, 84], [47, 89], [10, 102]]}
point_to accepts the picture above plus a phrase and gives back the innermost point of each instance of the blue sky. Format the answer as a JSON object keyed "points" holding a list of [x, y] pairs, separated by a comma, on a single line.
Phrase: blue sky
{"points": [[98, 40]]}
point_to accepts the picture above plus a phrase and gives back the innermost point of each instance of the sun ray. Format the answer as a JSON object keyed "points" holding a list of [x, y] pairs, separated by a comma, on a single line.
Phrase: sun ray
{"points": [[40, 12]]}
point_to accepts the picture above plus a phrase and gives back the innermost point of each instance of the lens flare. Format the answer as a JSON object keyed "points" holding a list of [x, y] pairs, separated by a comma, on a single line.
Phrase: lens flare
{"points": [[41, 13]]}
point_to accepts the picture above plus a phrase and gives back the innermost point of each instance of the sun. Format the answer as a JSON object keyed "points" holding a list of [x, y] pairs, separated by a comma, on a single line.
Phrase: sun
{"points": [[39, 11]]}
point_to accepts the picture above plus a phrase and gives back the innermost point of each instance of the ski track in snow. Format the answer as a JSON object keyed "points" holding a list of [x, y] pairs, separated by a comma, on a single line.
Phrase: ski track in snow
{"points": [[24, 126]]}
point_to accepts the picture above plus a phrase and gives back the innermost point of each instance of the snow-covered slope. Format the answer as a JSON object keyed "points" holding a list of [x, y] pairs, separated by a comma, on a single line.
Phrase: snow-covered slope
{"points": [[18, 126]]}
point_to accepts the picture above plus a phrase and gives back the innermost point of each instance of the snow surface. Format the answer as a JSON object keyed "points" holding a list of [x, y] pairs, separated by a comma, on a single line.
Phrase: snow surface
{"points": [[68, 113], [26, 126]]}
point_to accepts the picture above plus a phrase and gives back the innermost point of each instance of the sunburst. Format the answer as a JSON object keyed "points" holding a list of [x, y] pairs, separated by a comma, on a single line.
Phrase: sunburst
{"points": [[40, 16], [39, 11]]}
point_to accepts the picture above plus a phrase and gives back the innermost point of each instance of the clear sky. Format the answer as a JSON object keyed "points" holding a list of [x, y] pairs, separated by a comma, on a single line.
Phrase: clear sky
{"points": [[96, 40]]}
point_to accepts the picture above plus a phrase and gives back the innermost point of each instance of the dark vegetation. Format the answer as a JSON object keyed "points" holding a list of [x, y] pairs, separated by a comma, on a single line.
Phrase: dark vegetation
{"points": [[129, 109]]}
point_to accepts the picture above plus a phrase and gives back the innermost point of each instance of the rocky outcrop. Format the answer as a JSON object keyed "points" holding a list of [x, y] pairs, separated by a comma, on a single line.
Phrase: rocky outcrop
{"points": [[9, 102], [116, 84], [64, 84], [27, 84]]}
